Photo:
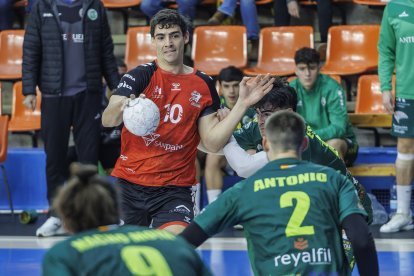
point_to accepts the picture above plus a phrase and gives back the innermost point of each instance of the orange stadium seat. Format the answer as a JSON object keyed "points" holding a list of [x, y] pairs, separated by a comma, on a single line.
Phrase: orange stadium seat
{"points": [[277, 47], [216, 47], [11, 54], [3, 156], [369, 98], [352, 49], [23, 120], [381, 3], [138, 48]]}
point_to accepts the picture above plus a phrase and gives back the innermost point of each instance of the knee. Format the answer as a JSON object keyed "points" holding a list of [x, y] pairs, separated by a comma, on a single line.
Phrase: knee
{"points": [[405, 145]]}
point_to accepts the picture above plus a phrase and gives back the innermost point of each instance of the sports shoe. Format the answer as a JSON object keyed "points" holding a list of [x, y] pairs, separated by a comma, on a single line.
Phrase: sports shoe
{"points": [[52, 226], [217, 18], [399, 222]]}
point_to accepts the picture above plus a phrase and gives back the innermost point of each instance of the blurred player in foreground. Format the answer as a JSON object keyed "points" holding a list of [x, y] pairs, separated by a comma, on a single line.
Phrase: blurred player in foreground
{"points": [[89, 208], [292, 211]]}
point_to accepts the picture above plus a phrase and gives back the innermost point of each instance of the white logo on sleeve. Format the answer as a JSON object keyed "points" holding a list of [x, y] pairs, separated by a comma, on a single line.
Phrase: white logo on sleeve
{"points": [[403, 14]]}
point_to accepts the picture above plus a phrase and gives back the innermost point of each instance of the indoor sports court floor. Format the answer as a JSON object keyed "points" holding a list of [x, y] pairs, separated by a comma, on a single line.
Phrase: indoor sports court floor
{"points": [[21, 252]]}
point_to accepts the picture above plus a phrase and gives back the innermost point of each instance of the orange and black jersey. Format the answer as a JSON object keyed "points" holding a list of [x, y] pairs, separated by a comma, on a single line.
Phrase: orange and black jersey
{"points": [[167, 156]]}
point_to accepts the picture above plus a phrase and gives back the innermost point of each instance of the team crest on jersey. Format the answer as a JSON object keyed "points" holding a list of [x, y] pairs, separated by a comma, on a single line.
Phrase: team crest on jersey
{"points": [[176, 87], [301, 244], [157, 93], [195, 98]]}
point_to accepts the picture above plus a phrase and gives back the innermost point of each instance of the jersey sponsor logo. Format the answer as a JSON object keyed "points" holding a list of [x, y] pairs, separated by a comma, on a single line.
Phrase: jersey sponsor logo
{"points": [[399, 115], [129, 77], [150, 138], [291, 180], [323, 101], [403, 14], [195, 98], [176, 87], [168, 147], [157, 93], [407, 39], [315, 256], [124, 85], [75, 38], [47, 14]]}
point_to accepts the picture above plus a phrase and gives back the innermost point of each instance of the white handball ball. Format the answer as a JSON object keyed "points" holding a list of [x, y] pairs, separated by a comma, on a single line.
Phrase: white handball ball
{"points": [[141, 116]]}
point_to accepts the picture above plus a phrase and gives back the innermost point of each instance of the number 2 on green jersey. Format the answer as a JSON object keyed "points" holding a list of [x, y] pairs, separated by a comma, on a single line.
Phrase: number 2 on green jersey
{"points": [[294, 228]]}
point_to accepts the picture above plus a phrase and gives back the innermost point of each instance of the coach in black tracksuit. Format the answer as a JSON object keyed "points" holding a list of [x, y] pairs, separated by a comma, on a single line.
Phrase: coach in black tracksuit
{"points": [[67, 50]]}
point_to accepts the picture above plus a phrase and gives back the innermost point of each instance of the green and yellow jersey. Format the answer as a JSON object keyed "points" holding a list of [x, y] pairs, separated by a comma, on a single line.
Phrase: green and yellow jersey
{"points": [[293, 226], [396, 47], [127, 250], [317, 151], [248, 117]]}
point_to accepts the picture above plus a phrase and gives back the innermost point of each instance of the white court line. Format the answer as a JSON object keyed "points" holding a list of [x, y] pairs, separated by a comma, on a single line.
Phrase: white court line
{"points": [[24, 242]]}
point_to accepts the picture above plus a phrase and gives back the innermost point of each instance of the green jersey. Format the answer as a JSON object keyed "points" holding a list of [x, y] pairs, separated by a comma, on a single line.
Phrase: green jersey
{"points": [[127, 250], [324, 108], [294, 225], [396, 47], [248, 117], [317, 151]]}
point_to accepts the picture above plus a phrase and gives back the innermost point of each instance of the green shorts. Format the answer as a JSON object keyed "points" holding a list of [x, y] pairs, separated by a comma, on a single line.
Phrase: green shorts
{"points": [[351, 153], [403, 114]]}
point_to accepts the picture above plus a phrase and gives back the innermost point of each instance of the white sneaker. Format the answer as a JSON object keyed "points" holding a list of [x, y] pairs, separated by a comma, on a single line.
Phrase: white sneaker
{"points": [[52, 226], [398, 222]]}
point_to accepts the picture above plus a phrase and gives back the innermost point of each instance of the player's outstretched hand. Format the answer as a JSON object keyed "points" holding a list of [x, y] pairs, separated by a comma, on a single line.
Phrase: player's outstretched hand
{"points": [[253, 90]]}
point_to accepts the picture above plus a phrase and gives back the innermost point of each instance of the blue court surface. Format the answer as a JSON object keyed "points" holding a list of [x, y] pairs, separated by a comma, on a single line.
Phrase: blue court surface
{"points": [[225, 256]]}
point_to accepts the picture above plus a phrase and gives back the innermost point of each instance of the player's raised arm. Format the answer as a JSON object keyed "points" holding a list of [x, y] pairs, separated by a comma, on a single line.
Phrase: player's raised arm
{"points": [[215, 134]]}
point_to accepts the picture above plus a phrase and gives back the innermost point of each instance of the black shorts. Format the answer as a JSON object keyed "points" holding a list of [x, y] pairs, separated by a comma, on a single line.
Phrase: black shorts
{"points": [[156, 207]]}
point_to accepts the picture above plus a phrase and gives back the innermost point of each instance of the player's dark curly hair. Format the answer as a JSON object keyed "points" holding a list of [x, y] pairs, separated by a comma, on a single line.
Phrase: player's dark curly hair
{"points": [[307, 56], [281, 96], [167, 18], [230, 73], [87, 201]]}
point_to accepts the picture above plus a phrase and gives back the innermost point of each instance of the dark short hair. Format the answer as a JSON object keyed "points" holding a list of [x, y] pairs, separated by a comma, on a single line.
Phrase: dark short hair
{"points": [[87, 201], [282, 95], [307, 56], [230, 73], [285, 130], [167, 18]]}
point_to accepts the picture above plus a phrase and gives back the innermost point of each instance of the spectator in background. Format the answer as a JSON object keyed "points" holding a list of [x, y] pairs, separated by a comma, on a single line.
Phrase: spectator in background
{"points": [[322, 103], [229, 79], [284, 9], [249, 16], [89, 208], [6, 14], [395, 48], [185, 7], [287, 213], [67, 50]]}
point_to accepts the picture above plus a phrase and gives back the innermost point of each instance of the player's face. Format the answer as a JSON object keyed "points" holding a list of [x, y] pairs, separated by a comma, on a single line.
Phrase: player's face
{"points": [[307, 74], [264, 112], [230, 92], [169, 43]]}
